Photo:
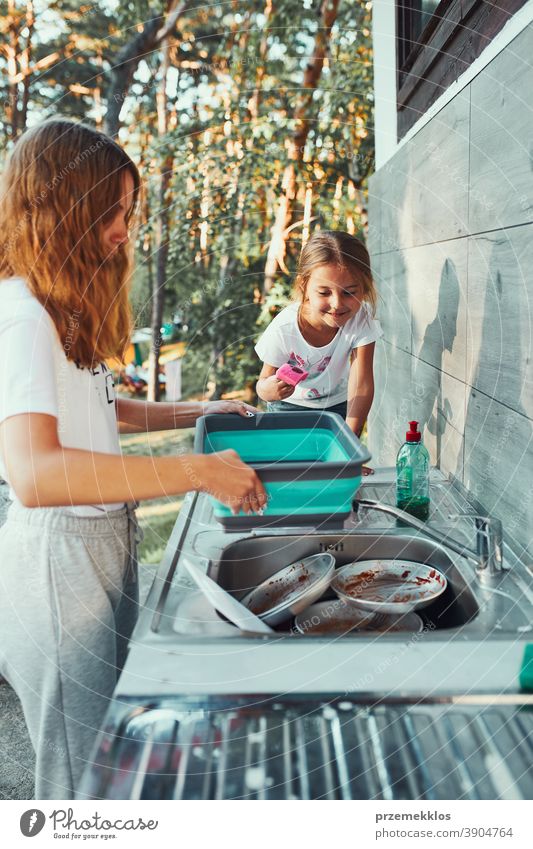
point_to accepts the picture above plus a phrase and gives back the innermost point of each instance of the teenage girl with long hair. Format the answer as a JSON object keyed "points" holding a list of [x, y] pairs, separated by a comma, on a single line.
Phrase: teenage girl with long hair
{"points": [[68, 571]]}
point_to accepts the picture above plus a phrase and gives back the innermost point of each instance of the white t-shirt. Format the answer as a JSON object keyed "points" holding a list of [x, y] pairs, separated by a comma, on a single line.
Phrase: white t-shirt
{"points": [[328, 367], [37, 377]]}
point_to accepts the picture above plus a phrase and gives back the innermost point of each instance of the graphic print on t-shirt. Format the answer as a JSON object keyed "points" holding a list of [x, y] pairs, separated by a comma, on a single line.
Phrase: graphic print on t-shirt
{"points": [[314, 370], [109, 383]]}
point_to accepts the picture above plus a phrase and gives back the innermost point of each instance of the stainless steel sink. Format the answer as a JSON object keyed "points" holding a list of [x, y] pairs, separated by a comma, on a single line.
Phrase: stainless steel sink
{"points": [[474, 607], [245, 563]]}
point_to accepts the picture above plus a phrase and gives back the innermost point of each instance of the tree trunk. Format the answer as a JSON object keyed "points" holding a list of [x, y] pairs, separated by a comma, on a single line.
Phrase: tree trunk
{"points": [[283, 217], [255, 100], [153, 34], [228, 262], [97, 93], [12, 51], [162, 236], [158, 294], [25, 60]]}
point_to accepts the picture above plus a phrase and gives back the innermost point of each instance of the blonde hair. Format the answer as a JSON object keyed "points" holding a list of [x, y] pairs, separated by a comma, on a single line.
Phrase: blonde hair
{"points": [[332, 247], [59, 189]]}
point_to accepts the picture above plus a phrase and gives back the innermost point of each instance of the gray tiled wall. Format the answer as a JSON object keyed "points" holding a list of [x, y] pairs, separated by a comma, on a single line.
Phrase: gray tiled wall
{"points": [[451, 238]]}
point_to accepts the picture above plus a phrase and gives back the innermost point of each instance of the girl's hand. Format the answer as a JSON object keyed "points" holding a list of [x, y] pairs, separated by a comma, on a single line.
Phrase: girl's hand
{"points": [[239, 407], [367, 471], [274, 389], [230, 481]]}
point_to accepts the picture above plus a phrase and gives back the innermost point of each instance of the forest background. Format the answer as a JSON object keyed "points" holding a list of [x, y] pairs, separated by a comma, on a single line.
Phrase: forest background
{"points": [[251, 123]]}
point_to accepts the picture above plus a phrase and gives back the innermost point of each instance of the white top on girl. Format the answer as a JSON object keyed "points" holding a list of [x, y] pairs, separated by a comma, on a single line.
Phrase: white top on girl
{"points": [[37, 377], [328, 367]]}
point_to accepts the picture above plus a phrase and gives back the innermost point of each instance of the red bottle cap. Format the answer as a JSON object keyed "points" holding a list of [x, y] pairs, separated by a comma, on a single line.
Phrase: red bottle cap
{"points": [[413, 434]]}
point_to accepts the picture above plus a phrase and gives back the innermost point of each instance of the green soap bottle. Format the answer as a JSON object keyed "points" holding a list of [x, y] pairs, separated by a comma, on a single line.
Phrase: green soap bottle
{"points": [[412, 475]]}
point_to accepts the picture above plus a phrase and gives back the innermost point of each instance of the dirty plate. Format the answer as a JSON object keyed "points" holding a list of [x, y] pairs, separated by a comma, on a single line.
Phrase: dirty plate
{"points": [[292, 589], [332, 617], [388, 586]]}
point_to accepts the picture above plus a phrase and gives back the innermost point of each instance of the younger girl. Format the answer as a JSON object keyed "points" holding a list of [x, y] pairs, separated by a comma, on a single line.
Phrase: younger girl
{"points": [[329, 331], [68, 573]]}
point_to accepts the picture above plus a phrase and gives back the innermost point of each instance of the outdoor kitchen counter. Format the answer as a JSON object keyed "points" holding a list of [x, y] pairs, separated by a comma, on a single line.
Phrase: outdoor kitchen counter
{"points": [[169, 656]]}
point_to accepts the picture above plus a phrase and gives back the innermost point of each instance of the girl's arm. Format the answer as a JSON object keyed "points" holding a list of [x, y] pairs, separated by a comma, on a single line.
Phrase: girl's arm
{"points": [[270, 388], [140, 416], [360, 387], [45, 474]]}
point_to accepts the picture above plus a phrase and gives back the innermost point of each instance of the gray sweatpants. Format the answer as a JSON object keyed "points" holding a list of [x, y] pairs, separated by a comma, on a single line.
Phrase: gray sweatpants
{"points": [[68, 605]]}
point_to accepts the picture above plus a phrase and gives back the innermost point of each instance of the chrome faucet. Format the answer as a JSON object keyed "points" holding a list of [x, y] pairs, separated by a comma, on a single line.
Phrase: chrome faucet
{"points": [[488, 555]]}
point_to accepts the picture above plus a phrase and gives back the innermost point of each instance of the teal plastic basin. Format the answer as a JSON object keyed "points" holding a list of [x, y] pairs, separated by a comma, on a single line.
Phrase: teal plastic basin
{"points": [[324, 501], [294, 445], [310, 464]]}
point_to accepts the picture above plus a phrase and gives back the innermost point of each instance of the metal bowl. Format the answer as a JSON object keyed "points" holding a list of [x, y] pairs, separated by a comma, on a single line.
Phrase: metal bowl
{"points": [[388, 586], [387, 623], [332, 617], [340, 617], [292, 589]]}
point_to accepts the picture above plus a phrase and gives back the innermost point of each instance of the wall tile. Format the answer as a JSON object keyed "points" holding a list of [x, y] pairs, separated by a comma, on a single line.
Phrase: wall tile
{"points": [[498, 465], [501, 139], [393, 307], [439, 406], [500, 319], [436, 276], [375, 200], [438, 174], [422, 192], [392, 405], [396, 218]]}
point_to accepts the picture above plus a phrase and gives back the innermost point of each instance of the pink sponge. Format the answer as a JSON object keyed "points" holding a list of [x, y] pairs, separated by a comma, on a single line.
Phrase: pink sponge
{"points": [[291, 374]]}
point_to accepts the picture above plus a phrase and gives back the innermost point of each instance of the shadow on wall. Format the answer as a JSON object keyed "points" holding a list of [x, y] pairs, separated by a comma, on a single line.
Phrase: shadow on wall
{"points": [[498, 461], [439, 337]]}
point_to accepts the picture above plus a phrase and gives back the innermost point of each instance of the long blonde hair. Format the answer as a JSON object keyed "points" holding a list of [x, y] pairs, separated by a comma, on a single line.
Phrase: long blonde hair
{"points": [[58, 190], [334, 247]]}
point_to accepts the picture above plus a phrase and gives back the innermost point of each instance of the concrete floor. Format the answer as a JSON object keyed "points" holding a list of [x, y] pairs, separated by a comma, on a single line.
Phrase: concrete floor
{"points": [[17, 761], [16, 752]]}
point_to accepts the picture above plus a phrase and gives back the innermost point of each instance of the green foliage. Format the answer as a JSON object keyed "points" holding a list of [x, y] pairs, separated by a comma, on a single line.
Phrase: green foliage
{"points": [[227, 145]]}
